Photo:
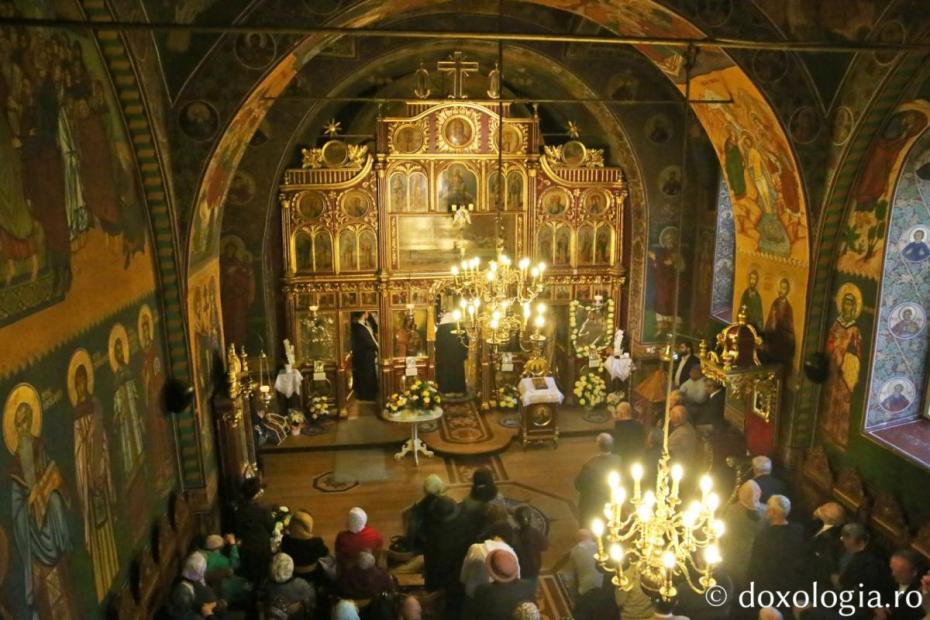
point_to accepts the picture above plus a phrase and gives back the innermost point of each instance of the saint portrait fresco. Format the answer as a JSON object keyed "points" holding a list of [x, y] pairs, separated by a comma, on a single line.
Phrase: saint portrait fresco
{"points": [[585, 245], [241, 189], [844, 349], [408, 139], [916, 249], [418, 194], [322, 251], [348, 251], [514, 190], [667, 267], [596, 203], [779, 332], [603, 244], [398, 192], [897, 395], [92, 471], [367, 249], [458, 132], [310, 205], [255, 50], [38, 488], [544, 244], [356, 203], [303, 250], [906, 321], [199, 120], [574, 153], [513, 139], [659, 129], [563, 244], [496, 197], [556, 202], [670, 180], [457, 186]]}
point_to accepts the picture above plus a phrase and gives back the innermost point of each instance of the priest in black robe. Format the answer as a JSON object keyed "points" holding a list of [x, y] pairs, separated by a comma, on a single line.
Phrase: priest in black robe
{"points": [[364, 357], [451, 353]]}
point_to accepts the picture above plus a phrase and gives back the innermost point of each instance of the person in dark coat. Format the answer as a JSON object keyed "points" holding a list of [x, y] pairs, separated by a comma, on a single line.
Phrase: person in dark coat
{"points": [[686, 359], [475, 505], [364, 580], [711, 411], [451, 353], [769, 484], [445, 546], [905, 571], [629, 435], [498, 600], [364, 357], [777, 552], [254, 526], [306, 550], [824, 549], [861, 569], [415, 517], [529, 543], [591, 482]]}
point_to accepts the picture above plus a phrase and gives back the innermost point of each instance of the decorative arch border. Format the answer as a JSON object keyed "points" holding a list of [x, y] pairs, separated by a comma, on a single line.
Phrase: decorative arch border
{"points": [[615, 15], [131, 99]]}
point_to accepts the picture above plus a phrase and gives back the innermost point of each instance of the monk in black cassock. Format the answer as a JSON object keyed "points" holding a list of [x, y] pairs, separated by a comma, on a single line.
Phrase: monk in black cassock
{"points": [[364, 357], [451, 353]]}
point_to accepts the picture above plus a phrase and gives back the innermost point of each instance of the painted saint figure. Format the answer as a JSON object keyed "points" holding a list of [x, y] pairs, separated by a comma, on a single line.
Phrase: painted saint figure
{"points": [[752, 301], [666, 263], [844, 348], [40, 525], [153, 382], [779, 328], [896, 401], [906, 327], [126, 414], [917, 250], [92, 473]]}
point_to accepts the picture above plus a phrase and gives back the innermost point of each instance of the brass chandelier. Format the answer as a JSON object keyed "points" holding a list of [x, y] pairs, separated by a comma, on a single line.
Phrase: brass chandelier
{"points": [[495, 302], [650, 535]]}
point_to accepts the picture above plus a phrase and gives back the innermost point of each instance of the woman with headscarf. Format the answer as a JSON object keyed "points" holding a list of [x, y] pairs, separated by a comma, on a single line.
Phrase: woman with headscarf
{"points": [[364, 580], [345, 610], [445, 546], [743, 519], [416, 515], [357, 538], [286, 596], [475, 506], [529, 544], [194, 575], [222, 563], [307, 550]]}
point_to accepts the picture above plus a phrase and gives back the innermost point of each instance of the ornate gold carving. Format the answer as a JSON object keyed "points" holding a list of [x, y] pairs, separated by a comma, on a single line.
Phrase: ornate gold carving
{"points": [[358, 153], [407, 138], [459, 69], [573, 154], [457, 130], [312, 158]]}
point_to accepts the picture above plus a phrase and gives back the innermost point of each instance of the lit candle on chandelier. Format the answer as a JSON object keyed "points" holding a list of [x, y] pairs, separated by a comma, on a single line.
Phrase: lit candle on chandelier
{"points": [[637, 473], [597, 528]]}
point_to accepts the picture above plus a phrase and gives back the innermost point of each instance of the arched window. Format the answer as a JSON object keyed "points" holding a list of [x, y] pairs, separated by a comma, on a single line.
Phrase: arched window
{"points": [[721, 298], [899, 379]]}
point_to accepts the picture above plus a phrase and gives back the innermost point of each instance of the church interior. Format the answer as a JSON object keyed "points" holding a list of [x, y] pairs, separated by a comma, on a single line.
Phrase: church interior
{"points": [[491, 309]]}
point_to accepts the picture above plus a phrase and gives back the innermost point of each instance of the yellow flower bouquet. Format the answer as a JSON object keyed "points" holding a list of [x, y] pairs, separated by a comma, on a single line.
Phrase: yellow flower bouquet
{"points": [[420, 395], [590, 390]]}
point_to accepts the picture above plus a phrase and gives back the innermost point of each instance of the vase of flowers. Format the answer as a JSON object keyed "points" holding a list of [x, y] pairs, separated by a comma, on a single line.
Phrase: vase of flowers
{"points": [[318, 408], [419, 396], [590, 390], [297, 420], [507, 397]]}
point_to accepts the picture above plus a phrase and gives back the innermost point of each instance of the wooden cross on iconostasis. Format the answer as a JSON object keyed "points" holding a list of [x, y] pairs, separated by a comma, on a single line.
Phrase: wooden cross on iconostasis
{"points": [[460, 69]]}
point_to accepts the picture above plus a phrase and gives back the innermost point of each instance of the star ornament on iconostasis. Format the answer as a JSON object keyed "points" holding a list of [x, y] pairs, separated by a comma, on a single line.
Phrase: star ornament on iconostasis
{"points": [[332, 128]]}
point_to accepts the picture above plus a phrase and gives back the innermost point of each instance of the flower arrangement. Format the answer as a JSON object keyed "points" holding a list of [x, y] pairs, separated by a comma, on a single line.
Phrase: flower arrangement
{"points": [[319, 408], [421, 395], [507, 397], [282, 517], [296, 419], [606, 307], [590, 390]]}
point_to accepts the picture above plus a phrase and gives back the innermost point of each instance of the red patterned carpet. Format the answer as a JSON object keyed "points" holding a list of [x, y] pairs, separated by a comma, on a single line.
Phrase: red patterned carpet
{"points": [[464, 430]]}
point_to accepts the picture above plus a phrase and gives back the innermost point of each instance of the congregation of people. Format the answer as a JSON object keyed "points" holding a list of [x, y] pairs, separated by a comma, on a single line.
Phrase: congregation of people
{"points": [[481, 558]]}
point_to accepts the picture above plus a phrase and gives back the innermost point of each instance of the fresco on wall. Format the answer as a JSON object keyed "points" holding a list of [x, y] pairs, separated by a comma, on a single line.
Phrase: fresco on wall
{"points": [[81, 482], [721, 305], [862, 242], [904, 300], [70, 200], [237, 272], [845, 349], [207, 348]]}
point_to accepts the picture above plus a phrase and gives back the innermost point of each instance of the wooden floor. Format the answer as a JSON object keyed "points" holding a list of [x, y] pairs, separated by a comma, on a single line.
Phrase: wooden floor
{"points": [[329, 483]]}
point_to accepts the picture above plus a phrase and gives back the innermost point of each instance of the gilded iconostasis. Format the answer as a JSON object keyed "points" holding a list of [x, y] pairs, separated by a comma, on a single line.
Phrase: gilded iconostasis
{"points": [[141, 224]]}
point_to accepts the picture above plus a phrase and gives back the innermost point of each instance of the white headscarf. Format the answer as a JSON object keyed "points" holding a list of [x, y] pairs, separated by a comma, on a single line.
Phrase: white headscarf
{"points": [[195, 567], [357, 520], [282, 567], [345, 610]]}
